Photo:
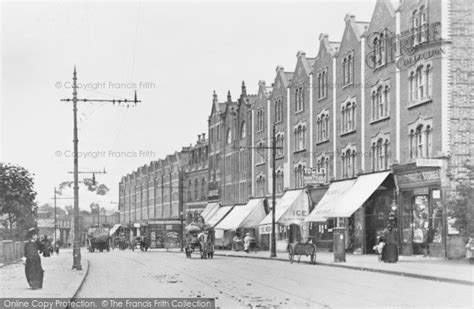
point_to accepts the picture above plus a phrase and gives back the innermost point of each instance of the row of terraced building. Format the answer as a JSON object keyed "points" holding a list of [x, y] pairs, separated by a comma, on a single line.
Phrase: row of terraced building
{"points": [[375, 122]]}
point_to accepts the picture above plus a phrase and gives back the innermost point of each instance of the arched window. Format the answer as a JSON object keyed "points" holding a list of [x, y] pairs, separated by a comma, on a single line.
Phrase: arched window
{"points": [[279, 181], [412, 144], [415, 25], [203, 188], [420, 82], [243, 130], [229, 136], [196, 189], [344, 71], [419, 141], [429, 141], [429, 80], [412, 88]]}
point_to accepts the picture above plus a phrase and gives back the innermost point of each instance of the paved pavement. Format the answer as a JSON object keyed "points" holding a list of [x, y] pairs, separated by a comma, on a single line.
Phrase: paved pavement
{"points": [[59, 278], [453, 271], [459, 271]]}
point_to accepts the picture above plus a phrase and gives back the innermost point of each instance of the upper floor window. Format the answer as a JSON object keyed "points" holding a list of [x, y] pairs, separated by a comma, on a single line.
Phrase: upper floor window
{"points": [[299, 99], [229, 136], [203, 188], [261, 185], [278, 110], [380, 102], [380, 154], [322, 127], [218, 133], [420, 84], [348, 69], [299, 176], [322, 84], [279, 145], [348, 160], [300, 137], [322, 166], [196, 189], [260, 120], [243, 130], [419, 26], [348, 116], [421, 142], [279, 181]]}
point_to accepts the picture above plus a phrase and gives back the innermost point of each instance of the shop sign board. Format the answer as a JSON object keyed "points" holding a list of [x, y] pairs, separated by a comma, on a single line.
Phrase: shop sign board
{"points": [[265, 229], [312, 176], [429, 162], [418, 176]]}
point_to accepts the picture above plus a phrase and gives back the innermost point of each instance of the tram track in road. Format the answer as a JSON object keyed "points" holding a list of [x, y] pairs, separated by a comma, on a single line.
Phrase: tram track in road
{"points": [[225, 275]]}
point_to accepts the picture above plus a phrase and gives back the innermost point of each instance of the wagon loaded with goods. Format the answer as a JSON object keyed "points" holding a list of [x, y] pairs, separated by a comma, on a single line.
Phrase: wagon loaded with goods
{"points": [[98, 238], [202, 237]]}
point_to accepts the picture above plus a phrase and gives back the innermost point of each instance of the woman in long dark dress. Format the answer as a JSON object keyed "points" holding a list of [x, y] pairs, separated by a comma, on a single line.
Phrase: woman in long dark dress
{"points": [[33, 270]]}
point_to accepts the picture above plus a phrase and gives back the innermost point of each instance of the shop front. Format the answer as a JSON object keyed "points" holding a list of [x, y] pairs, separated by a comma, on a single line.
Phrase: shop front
{"points": [[290, 212], [162, 233], [241, 220], [361, 206], [421, 211]]}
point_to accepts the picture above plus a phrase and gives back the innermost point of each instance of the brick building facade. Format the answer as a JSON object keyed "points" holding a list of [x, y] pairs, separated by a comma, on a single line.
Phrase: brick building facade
{"points": [[392, 97]]}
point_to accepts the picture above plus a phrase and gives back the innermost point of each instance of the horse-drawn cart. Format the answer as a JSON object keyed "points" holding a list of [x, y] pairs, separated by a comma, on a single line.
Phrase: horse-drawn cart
{"points": [[300, 249]]}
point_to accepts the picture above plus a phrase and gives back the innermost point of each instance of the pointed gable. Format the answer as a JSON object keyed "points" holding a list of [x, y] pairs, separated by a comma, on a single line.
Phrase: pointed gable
{"points": [[383, 13]]}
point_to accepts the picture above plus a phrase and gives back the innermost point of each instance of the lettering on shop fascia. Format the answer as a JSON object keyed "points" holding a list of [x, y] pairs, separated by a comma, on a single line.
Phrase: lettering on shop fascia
{"points": [[419, 176]]}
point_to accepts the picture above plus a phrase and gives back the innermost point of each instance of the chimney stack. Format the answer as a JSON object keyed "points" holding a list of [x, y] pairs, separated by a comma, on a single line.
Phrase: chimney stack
{"points": [[203, 136]]}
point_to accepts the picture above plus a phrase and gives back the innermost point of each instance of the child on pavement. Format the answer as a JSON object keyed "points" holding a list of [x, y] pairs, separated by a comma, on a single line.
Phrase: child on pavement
{"points": [[379, 248]]}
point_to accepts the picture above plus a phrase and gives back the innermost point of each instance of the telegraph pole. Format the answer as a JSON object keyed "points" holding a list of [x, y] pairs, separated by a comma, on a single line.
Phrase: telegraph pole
{"points": [[76, 253], [273, 246]]}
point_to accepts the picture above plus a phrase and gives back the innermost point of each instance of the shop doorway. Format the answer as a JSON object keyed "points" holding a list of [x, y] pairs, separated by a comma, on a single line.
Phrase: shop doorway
{"points": [[294, 234], [377, 210]]}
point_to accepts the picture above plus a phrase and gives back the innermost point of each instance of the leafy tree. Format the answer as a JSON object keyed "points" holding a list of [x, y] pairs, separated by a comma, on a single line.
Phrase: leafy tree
{"points": [[17, 199], [461, 205]]}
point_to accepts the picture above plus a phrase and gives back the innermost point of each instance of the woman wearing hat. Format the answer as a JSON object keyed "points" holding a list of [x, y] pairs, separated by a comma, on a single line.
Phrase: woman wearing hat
{"points": [[33, 270]]}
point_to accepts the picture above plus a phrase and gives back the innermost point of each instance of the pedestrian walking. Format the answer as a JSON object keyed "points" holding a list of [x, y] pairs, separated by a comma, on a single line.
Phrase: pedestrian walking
{"points": [[247, 240], [33, 270], [46, 246], [390, 250]]}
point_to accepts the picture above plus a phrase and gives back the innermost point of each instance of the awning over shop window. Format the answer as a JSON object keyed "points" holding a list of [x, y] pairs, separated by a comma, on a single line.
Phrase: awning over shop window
{"points": [[291, 209], [210, 209], [114, 229], [355, 196], [244, 216], [218, 215], [330, 200]]}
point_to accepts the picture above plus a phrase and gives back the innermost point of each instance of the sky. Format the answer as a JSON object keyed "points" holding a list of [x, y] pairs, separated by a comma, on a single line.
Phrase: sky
{"points": [[175, 54]]}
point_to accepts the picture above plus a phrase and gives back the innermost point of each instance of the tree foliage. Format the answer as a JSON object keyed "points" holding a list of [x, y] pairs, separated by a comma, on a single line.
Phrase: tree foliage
{"points": [[461, 205], [17, 200]]}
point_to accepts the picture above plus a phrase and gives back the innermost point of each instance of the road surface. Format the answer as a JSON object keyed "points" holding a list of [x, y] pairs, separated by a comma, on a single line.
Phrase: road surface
{"points": [[244, 283]]}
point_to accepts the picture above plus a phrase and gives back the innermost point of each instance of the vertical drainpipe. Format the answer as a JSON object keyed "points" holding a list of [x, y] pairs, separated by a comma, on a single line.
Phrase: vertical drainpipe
{"points": [[252, 175], [362, 101], [334, 123], [311, 153], [397, 90], [445, 113], [287, 172], [445, 91]]}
